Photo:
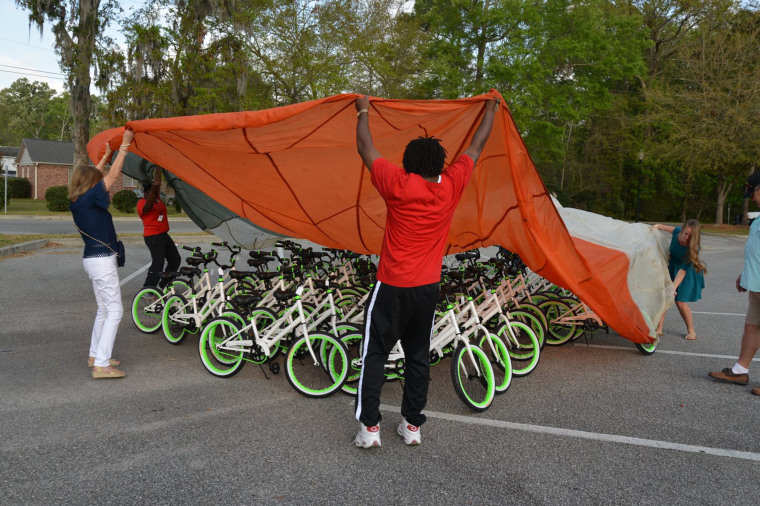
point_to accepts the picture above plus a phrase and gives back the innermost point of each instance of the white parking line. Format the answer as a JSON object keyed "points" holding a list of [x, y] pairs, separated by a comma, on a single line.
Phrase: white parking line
{"points": [[667, 352], [610, 438], [134, 275], [721, 314]]}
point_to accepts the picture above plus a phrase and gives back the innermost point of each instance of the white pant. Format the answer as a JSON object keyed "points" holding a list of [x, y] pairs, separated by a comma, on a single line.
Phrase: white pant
{"points": [[105, 283]]}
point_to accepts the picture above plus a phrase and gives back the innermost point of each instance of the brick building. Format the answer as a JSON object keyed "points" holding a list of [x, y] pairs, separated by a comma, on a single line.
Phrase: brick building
{"points": [[50, 163]]}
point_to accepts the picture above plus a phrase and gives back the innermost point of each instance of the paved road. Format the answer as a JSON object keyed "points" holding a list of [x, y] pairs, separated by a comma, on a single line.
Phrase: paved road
{"points": [[596, 423], [65, 225]]}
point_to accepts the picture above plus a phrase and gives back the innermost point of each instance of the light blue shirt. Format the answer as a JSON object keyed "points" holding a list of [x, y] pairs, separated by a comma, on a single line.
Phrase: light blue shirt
{"points": [[751, 273]]}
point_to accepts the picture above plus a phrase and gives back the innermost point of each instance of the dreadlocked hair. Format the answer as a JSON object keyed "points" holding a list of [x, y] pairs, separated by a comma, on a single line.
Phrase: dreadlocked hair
{"points": [[695, 244], [424, 156]]}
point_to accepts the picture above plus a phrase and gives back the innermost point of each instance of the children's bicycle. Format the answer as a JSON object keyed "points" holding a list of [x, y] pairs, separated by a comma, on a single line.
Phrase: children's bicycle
{"points": [[316, 364]]}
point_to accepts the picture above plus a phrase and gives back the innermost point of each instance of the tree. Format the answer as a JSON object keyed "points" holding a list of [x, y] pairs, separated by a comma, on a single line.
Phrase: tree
{"points": [[711, 100], [77, 25], [462, 35], [27, 105], [33, 109]]}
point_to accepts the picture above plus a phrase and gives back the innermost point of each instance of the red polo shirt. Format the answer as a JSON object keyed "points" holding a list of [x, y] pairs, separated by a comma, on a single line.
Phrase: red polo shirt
{"points": [[154, 221], [419, 215]]}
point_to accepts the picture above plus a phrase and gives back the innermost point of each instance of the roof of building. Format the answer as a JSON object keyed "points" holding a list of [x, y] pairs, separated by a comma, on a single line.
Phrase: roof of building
{"points": [[45, 151], [9, 151]]}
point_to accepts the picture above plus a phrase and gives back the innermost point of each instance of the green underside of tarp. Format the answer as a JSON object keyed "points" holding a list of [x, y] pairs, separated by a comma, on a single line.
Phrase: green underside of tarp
{"points": [[203, 210]]}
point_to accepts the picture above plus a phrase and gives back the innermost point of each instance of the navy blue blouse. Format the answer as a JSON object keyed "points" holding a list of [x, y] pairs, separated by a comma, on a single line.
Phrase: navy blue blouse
{"points": [[91, 215]]}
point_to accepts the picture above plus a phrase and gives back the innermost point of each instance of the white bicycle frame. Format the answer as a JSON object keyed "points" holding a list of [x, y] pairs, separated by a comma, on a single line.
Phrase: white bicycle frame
{"points": [[199, 315], [273, 334]]}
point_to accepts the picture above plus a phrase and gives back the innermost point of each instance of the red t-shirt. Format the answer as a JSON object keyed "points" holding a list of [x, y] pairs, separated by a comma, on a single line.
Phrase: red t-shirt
{"points": [[154, 221], [419, 215]]}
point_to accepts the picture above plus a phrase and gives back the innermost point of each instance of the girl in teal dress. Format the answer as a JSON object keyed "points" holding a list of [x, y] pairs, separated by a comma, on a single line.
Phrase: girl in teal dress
{"points": [[686, 269]]}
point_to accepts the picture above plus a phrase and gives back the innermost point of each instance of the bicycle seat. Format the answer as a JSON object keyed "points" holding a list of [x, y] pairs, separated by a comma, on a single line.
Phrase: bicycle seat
{"points": [[266, 275], [195, 261], [190, 271], [258, 262], [320, 283], [246, 300], [283, 296], [240, 274], [169, 275]]}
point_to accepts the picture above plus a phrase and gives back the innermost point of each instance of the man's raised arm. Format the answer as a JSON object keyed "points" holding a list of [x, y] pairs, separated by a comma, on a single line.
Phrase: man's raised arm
{"points": [[483, 131], [363, 137]]}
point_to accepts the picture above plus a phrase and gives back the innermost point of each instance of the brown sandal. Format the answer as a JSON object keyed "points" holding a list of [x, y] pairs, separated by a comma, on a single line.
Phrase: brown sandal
{"points": [[111, 361], [101, 373]]}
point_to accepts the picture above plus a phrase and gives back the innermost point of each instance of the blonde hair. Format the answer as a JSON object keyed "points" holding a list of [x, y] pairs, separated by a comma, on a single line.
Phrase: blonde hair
{"points": [[82, 180], [695, 244]]}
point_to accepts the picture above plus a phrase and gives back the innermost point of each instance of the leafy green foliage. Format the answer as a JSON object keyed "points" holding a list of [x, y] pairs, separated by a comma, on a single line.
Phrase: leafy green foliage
{"points": [[19, 187], [57, 198], [2, 194], [33, 110], [125, 201], [589, 84]]}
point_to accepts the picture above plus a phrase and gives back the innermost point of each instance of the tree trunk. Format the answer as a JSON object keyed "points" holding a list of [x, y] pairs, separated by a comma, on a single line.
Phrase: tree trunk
{"points": [[79, 79], [723, 190]]}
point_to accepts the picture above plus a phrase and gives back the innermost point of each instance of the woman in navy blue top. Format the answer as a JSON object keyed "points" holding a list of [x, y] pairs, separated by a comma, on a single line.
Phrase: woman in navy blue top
{"points": [[89, 203], [686, 269]]}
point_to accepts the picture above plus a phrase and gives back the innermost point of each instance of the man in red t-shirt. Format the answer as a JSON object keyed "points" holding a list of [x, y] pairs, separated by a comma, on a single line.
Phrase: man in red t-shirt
{"points": [[420, 200], [156, 232]]}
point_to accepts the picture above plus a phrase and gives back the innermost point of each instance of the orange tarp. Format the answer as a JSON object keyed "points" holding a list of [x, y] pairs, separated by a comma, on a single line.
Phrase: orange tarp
{"points": [[295, 170]]}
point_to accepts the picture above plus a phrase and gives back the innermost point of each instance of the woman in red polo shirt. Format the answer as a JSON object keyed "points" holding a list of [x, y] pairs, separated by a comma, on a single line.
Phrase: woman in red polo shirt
{"points": [[156, 232]]}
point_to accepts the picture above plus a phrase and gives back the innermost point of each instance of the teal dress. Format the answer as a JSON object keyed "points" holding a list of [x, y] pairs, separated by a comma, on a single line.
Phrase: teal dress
{"points": [[690, 289]]}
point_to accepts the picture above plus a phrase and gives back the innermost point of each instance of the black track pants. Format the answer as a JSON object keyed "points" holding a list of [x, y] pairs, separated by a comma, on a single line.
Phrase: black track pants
{"points": [[395, 313], [162, 248]]}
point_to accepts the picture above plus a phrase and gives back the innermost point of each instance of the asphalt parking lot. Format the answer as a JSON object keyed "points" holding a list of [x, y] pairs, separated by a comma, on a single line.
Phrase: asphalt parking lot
{"points": [[596, 423]]}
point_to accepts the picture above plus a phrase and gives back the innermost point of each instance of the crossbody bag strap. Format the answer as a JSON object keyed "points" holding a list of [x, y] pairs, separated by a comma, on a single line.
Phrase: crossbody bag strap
{"points": [[96, 240]]}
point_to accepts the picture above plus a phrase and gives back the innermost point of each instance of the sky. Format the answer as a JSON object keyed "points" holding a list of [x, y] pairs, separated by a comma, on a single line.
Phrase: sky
{"points": [[23, 53]]}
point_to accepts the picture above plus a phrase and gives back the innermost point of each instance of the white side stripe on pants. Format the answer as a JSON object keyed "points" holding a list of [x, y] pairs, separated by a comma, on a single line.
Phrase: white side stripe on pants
{"points": [[366, 347]]}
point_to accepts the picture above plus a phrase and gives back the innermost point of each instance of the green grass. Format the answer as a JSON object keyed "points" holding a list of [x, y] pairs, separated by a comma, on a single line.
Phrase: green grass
{"points": [[11, 239], [725, 229], [32, 207]]}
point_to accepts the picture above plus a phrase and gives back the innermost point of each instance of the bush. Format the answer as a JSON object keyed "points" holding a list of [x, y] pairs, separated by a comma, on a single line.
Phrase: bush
{"points": [[2, 193], [125, 201], [19, 188], [57, 198]]}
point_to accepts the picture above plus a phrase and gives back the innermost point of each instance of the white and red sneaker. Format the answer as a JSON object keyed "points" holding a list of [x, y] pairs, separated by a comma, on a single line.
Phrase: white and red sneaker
{"points": [[410, 433], [368, 437]]}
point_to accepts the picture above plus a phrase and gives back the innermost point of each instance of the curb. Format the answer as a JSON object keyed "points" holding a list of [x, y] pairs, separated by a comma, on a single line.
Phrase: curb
{"points": [[76, 242], [67, 217], [23, 247]]}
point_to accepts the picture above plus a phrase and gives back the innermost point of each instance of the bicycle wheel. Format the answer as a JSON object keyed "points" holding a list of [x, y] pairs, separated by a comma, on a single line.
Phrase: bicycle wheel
{"points": [[237, 318], [309, 377], [535, 311], [523, 347], [533, 323], [147, 307], [343, 328], [179, 286], [353, 343], [498, 355], [648, 348], [214, 348], [174, 328], [473, 380], [557, 333]]}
